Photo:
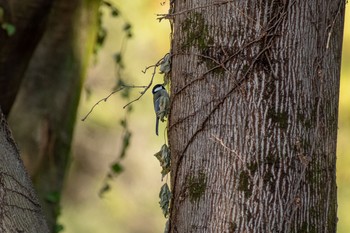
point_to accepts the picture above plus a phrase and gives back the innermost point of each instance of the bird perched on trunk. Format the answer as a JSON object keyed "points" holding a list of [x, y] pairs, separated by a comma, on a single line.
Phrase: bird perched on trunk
{"points": [[161, 103]]}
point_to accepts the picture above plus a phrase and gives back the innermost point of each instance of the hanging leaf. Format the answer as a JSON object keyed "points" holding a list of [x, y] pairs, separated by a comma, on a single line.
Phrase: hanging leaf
{"points": [[106, 187], [127, 26], [9, 28], [118, 58], [53, 197], [117, 168], [123, 123], [114, 12], [127, 29], [101, 36], [165, 197], [129, 108], [126, 143], [58, 228], [108, 4], [163, 157], [129, 34]]}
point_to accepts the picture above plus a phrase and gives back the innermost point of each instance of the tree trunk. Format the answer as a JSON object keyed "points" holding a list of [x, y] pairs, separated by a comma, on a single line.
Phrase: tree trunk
{"points": [[44, 113], [253, 123], [19, 207], [29, 18]]}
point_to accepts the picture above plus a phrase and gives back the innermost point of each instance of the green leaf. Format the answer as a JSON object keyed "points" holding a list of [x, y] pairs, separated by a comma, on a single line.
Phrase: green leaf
{"points": [[108, 4], [125, 93], [53, 197], [104, 189], [126, 139], [126, 143], [127, 27], [114, 12], [101, 36], [129, 108], [117, 168], [129, 35], [165, 197], [123, 123], [120, 83], [9, 28], [118, 58], [58, 228]]}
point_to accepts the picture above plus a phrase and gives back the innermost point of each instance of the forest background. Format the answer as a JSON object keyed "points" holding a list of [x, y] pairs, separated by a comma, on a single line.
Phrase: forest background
{"points": [[132, 203]]}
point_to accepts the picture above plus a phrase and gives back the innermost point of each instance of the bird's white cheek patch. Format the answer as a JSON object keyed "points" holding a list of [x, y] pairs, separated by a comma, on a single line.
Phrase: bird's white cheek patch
{"points": [[157, 89]]}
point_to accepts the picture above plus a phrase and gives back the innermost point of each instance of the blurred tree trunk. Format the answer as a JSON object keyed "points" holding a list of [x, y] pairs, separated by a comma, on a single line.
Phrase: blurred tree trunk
{"points": [[44, 113], [29, 19], [19, 206], [253, 124]]}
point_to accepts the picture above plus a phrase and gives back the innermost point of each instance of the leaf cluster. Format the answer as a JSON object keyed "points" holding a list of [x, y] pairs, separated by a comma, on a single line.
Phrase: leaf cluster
{"points": [[117, 168], [102, 32]]}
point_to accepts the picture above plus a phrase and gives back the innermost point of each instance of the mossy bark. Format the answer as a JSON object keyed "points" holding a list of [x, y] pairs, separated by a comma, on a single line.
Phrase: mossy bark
{"points": [[263, 129]]}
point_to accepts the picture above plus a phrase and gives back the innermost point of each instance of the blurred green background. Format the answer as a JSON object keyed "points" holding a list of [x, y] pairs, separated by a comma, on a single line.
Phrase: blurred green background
{"points": [[132, 204]]}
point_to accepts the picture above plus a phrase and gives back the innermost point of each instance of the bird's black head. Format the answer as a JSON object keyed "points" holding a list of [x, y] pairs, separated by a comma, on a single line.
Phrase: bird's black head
{"points": [[157, 88]]}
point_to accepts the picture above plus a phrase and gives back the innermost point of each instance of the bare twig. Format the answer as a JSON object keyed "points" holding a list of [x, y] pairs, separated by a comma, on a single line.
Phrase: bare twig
{"points": [[107, 97], [131, 86], [141, 93], [150, 83], [332, 25], [148, 67]]}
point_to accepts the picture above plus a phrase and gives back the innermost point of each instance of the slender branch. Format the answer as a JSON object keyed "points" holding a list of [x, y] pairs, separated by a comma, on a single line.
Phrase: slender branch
{"points": [[141, 93], [107, 97], [148, 86], [333, 22], [150, 83], [127, 86], [148, 67]]}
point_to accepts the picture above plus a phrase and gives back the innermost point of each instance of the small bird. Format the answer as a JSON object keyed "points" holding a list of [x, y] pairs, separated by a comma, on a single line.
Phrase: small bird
{"points": [[161, 103]]}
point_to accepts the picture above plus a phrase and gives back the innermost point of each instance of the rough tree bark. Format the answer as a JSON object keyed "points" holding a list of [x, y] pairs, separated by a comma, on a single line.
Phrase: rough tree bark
{"points": [[253, 123], [44, 114], [19, 207]]}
